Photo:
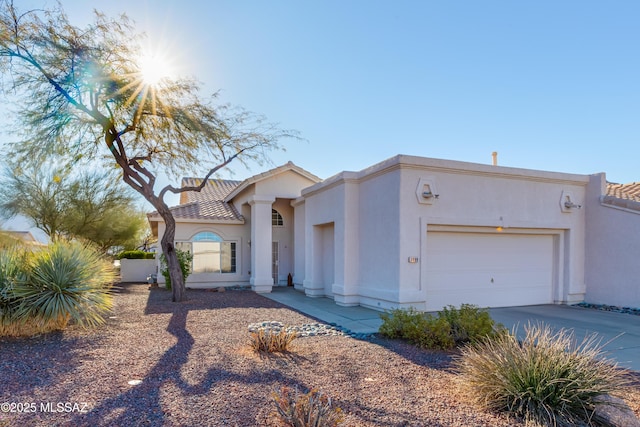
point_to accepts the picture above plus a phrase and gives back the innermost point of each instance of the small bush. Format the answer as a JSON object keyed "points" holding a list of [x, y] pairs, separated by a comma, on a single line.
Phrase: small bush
{"points": [[450, 328], [184, 259], [270, 341], [469, 323], [548, 378], [312, 409], [137, 254], [401, 323]]}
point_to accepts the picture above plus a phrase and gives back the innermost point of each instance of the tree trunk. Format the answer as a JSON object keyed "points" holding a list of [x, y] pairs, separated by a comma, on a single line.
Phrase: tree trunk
{"points": [[173, 265]]}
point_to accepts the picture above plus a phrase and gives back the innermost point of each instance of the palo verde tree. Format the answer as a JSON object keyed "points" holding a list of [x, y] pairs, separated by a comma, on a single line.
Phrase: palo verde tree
{"points": [[74, 206], [84, 96]]}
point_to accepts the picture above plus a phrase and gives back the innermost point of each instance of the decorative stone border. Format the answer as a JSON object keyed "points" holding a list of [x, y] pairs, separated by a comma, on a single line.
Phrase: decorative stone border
{"points": [[604, 307], [307, 329]]}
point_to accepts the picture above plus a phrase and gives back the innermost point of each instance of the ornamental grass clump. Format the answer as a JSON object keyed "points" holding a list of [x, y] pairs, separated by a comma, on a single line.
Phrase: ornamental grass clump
{"points": [[271, 341], [312, 409], [547, 379]]}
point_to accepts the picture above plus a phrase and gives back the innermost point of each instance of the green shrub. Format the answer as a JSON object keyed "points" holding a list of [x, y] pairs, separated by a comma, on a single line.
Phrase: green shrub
{"points": [[402, 323], [269, 341], [64, 282], [311, 409], [137, 254], [184, 259], [548, 378], [450, 328], [469, 323]]}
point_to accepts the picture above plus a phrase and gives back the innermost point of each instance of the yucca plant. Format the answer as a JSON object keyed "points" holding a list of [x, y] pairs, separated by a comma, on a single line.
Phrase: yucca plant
{"points": [[548, 379], [312, 409], [67, 281]]}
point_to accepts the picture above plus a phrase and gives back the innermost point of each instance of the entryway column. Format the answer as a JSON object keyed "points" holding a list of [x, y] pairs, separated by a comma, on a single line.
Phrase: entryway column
{"points": [[261, 236]]}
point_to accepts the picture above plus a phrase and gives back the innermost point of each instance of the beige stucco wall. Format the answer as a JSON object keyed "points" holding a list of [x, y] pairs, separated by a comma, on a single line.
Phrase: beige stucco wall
{"points": [[232, 232], [271, 190], [612, 250], [381, 207]]}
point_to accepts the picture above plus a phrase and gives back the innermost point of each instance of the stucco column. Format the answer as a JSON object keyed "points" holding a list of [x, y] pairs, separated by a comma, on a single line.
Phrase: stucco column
{"points": [[261, 243]]}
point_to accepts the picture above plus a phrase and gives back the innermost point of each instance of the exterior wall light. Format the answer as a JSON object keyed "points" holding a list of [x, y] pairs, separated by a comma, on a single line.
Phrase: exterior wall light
{"points": [[426, 192], [567, 203], [413, 259]]}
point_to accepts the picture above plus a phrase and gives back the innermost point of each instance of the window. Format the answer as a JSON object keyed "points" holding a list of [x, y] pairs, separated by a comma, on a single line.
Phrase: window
{"points": [[276, 218], [211, 254]]}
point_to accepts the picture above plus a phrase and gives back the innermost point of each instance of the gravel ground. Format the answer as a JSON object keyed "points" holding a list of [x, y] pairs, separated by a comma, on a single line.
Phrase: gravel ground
{"points": [[197, 369]]}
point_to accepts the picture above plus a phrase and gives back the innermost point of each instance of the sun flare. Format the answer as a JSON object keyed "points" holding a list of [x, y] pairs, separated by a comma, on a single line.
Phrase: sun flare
{"points": [[154, 68]]}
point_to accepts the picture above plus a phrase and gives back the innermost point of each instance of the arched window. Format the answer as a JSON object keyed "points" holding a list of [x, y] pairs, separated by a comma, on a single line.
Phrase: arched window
{"points": [[207, 236], [276, 218], [211, 254]]}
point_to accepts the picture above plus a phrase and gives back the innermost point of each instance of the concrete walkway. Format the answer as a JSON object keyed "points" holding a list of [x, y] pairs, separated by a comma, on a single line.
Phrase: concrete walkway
{"points": [[620, 332], [358, 320]]}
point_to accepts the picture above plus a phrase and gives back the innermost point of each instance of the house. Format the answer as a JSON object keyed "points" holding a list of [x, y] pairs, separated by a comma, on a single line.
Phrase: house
{"points": [[25, 237], [414, 231]]}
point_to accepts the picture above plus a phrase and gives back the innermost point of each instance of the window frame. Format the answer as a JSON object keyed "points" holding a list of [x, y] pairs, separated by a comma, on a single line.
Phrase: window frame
{"points": [[226, 253], [276, 218]]}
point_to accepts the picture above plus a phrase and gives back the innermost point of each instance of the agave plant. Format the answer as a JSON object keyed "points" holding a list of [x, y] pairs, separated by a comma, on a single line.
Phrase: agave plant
{"points": [[66, 281]]}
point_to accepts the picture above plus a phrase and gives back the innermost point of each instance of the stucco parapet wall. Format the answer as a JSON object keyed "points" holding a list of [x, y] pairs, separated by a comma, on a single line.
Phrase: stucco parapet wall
{"points": [[341, 178], [618, 203], [402, 161]]}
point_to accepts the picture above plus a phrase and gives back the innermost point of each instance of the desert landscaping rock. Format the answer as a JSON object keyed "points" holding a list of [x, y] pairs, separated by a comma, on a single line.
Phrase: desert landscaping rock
{"points": [[197, 369]]}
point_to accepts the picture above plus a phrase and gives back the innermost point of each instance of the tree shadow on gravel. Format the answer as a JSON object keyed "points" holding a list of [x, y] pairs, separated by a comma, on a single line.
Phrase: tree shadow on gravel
{"points": [[159, 301], [434, 359], [31, 363], [141, 404]]}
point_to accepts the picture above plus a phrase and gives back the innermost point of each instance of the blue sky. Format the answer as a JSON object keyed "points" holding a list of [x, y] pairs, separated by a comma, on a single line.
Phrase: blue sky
{"points": [[548, 85]]}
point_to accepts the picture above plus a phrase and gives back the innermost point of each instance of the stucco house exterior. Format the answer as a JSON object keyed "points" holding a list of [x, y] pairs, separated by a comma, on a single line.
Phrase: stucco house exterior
{"points": [[419, 232]]}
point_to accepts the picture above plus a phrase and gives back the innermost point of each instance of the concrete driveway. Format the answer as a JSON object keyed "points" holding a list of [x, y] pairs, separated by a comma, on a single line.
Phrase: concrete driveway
{"points": [[620, 332]]}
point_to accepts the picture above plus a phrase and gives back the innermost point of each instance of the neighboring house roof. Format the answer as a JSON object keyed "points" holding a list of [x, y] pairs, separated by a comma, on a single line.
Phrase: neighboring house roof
{"points": [[25, 236], [623, 195], [629, 191]]}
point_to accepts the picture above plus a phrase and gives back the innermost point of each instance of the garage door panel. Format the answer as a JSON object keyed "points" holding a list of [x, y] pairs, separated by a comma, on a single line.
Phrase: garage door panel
{"points": [[489, 270]]}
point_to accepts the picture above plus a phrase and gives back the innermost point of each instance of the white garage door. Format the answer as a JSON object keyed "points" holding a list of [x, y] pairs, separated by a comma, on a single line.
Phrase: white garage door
{"points": [[488, 270]]}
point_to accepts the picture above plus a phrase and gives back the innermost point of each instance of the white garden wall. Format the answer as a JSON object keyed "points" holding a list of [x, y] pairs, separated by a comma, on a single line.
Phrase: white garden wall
{"points": [[137, 270]]}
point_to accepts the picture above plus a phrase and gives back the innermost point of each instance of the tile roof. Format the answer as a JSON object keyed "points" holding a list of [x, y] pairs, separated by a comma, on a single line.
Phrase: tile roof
{"points": [[213, 202], [204, 209], [214, 189], [207, 204], [629, 191]]}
